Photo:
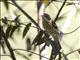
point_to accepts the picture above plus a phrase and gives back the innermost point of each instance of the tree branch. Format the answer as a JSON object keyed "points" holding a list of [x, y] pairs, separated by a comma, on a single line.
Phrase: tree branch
{"points": [[71, 31], [59, 11], [69, 53], [25, 13], [30, 52], [72, 52], [5, 55]]}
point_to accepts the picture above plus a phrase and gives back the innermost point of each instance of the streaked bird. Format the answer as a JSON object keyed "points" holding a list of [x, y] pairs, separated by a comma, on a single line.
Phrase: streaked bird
{"points": [[50, 26]]}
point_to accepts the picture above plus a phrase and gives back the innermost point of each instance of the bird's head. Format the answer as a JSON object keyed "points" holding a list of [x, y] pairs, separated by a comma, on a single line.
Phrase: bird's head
{"points": [[46, 16]]}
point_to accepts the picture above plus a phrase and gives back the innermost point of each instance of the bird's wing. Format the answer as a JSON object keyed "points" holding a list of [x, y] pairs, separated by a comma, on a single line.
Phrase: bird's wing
{"points": [[54, 25]]}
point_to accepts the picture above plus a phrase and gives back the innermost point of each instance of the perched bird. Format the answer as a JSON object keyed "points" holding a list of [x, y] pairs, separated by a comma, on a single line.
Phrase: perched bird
{"points": [[50, 26]]}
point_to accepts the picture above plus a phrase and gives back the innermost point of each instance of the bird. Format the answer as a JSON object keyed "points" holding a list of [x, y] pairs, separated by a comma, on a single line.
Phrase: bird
{"points": [[50, 26], [52, 29]]}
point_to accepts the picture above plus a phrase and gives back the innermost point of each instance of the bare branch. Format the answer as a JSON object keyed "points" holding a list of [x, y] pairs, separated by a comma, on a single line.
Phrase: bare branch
{"points": [[72, 52], [71, 31], [30, 52], [59, 11]]}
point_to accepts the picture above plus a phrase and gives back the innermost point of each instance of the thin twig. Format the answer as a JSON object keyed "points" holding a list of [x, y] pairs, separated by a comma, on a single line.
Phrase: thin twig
{"points": [[38, 9], [72, 52], [30, 52], [5, 55], [71, 31], [59, 11], [69, 53]]}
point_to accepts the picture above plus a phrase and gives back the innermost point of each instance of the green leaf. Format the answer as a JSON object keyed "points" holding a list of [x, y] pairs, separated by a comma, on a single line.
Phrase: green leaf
{"points": [[2, 43], [79, 51], [6, 4], [8, 30], [43, 48], [70, 4], [44, 39], [28, 43], [17, 19], [13, 30], [60, 18], [38, 37], [4, 20], [26, 29]]}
